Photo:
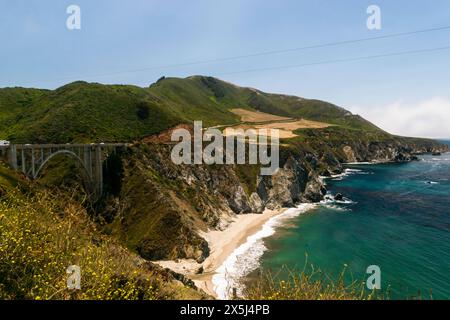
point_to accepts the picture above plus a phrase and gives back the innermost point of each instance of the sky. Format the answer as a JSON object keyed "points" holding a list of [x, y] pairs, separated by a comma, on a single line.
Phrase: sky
{"points": [[138, 41]]}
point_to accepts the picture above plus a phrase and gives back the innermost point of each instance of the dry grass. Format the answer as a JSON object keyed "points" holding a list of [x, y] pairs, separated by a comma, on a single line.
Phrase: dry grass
{"points": [[286, 128], [311, 285], [256, 116], [259, 120], [297, 124]]}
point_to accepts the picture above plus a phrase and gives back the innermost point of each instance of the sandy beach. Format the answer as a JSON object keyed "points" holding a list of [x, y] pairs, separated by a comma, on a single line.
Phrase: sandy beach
{"points": [[222, 245]]}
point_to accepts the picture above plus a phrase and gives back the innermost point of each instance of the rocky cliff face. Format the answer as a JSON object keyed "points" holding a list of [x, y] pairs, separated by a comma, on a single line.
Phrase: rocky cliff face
{"points": [[162, 207], [334, 147], [397, 151]]}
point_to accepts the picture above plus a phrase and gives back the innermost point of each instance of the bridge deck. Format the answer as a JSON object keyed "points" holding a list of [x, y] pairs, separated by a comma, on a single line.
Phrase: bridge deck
{"points": [[76, 145]]}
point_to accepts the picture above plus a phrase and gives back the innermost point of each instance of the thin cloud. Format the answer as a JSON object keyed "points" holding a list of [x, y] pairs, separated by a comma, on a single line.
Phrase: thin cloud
{"points": [[429, 118]]}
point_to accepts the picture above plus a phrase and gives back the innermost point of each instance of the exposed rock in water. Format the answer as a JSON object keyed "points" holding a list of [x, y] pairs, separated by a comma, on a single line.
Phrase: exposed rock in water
{"points": [[339, 197], [401, 157], [325, 173], [314, 191]]}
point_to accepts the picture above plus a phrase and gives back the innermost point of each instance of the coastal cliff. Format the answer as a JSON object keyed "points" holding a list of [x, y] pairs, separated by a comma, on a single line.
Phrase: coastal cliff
{"points": [[162, 209]]}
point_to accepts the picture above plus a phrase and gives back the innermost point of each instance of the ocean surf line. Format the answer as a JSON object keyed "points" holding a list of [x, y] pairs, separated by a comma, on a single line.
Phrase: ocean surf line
{"points": [[245, 259]]}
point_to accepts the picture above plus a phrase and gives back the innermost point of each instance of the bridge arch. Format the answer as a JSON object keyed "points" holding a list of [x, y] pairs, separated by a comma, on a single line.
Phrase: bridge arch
{"points": [[70, 154], [91, 157]]}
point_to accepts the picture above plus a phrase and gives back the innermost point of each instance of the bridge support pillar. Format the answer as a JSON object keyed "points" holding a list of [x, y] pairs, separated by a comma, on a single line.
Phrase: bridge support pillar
{"points": [[98, 163], [33, 164], [24, 165], [87, 160], [12, 157]]}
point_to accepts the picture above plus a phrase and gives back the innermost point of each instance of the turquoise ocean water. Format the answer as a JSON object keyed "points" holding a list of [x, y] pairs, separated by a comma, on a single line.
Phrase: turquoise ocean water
{"points": [[396, 216]]}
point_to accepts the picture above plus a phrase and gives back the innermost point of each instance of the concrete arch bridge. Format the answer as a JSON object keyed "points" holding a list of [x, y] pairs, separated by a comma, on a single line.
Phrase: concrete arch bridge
{"points": [[31, 159]]}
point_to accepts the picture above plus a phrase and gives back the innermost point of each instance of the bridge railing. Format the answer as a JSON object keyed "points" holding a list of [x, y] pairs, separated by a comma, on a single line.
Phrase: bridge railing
{"points": [[69, 145]]}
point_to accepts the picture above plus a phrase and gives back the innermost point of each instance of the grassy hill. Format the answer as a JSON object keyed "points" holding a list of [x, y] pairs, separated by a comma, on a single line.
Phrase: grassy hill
{"points": [[200, 90], [85, 112], [92, 112], [14, 103]]}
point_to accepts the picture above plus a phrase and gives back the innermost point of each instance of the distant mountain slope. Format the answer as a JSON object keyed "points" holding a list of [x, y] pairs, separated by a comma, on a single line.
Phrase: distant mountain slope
{"points": [[92, 112], [227, 95], [197, 98]]}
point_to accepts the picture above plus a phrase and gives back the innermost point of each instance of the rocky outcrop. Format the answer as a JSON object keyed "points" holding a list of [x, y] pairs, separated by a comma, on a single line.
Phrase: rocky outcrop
{"points": [[339, 197], [349, 153], [379, 152], [162, 208]]}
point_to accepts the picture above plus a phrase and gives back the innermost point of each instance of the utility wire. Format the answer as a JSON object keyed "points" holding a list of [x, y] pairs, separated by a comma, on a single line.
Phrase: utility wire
{"points": [[258, 54], [324, 45], [340, 60]]}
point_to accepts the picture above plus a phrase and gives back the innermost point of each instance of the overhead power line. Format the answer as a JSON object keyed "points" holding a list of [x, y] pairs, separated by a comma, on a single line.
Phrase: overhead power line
{"points": [[258, 54], [401, 53], [324, 45]]}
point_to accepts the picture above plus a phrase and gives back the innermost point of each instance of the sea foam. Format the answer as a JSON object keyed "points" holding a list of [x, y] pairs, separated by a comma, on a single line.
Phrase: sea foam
{"points": [[347, 172], [245, 258]]}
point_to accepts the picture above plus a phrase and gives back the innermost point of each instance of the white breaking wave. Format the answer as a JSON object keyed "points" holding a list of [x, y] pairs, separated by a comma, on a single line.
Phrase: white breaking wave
{"points": [[331, 203], [245, 258], [334, 201], [336, 207], [350, 163], [346, 173], [339, 176]]}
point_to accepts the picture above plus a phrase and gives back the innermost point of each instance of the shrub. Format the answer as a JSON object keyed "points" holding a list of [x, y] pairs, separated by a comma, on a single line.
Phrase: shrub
{"points": [[42, 235], [308, 284]]}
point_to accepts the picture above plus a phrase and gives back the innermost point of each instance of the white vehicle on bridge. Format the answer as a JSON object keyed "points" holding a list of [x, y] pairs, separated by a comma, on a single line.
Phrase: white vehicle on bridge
{"points": [[4, 143]]}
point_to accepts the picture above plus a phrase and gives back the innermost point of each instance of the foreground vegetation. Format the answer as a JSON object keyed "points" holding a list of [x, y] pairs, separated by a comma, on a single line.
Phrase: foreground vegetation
{"points": [[309, 284], [42, 234]]}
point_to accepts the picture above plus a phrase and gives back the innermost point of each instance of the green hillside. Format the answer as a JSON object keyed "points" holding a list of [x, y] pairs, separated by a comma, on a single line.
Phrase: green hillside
{"points": [[85, 112], [92, 112], [14, 103], [208, 91]]}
